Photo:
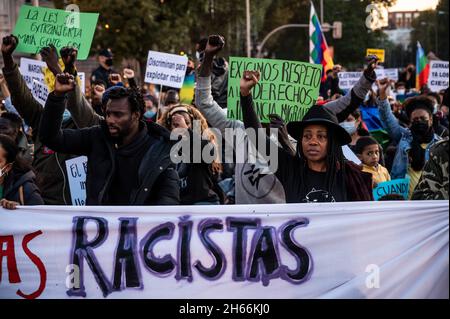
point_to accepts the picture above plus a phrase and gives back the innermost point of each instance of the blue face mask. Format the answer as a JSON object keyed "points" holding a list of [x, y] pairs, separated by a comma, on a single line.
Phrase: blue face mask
{"points": [[66, 115], [350, 127], [149, 115]]}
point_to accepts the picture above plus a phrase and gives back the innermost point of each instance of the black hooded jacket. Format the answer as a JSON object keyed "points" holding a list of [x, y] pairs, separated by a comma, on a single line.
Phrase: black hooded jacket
{"points": [[17, 180], [157, 182]]}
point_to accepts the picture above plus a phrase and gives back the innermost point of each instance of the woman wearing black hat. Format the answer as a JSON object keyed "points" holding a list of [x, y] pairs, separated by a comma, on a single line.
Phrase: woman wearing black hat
{"points": [[318, 172]]}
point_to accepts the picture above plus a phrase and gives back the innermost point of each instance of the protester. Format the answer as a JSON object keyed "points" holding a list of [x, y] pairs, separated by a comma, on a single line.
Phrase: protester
{"points": [[151, 108], [353, 126], [439, 129], [408, 77], [48, 164], [104, 70], [128, 159], [269, 190], [198, 180], [17, 179], [413, 143], [330, 87], [11, 125], [319, 172], [368, 151], [219, 74], [433, 184]]}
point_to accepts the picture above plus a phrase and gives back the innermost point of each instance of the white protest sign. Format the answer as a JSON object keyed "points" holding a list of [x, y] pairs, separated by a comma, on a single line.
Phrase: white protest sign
{"points": [[166, 69], [438, 78], [347, 80], [391, 74], [386, 249], [348, 153], [76, 172], [31, 71], [82, 77]]}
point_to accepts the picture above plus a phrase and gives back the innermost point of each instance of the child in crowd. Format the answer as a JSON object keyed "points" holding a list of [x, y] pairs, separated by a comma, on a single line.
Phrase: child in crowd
{"points": [[368, 151]]}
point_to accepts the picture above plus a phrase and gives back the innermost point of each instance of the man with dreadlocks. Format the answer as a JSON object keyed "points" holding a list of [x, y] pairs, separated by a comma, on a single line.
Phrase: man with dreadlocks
{"points": [[128, 159], [318, 171]]}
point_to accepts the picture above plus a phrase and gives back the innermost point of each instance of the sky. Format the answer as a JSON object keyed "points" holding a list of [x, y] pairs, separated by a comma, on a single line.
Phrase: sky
{"points": [[413, 5]]}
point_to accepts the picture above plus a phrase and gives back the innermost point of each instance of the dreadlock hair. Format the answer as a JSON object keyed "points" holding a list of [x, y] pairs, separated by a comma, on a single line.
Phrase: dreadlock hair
{"points": [[133, 95], [335, 161], [194, 114]]}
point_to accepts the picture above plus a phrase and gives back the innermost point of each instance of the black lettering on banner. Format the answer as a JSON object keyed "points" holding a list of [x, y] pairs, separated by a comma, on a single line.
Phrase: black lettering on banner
{"points": [[239, 227], [184, 270], [160, 266], [219, 264], [303, 258], [263, 262], [84, 249], [126, 259]]}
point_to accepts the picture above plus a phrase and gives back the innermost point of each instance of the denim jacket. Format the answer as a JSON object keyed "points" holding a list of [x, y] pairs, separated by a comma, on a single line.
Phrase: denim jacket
{"points": [[403, 137]]}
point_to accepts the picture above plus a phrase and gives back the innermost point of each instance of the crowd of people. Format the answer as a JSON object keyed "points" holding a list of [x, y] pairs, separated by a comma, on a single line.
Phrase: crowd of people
{"points": [[126, 132]]}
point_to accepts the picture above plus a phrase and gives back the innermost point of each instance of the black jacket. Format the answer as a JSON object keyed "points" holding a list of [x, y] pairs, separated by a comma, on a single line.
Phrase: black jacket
{"points": [[14, 181], [158, 179]]}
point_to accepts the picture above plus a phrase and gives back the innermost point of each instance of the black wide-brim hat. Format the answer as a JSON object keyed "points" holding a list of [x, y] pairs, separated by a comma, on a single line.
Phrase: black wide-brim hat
{"points": [[319, 115]]}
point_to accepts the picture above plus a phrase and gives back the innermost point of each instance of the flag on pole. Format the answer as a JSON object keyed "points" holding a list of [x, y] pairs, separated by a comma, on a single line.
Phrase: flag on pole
{"points": [[319, 53], [422, 67]]}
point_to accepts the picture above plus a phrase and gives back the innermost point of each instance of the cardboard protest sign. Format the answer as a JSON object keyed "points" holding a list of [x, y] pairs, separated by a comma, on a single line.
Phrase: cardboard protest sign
{"points": [[380, 53], [166, 69], [38, 27], [397, 186], [348, 79], [31, 71], [438, 79], [286, 88], [76, 172]]}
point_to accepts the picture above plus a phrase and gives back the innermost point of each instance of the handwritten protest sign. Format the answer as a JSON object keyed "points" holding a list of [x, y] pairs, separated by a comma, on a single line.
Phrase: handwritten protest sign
{"points": [[397, 186], [286, 88], [348, 79], [380, 53], [391, 74], [166, 69], [38, 27], [31, 71], [438, 79], [76, 172]]}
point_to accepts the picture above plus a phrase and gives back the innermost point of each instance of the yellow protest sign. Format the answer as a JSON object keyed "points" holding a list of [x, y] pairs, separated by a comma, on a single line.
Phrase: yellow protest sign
{"points": [[378, 52]]}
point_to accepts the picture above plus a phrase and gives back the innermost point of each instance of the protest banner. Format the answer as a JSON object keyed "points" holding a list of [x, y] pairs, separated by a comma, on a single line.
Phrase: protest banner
{"points": [[347, 80], [38, 27], [397, 186], [380, 53], [286, 88], [166, 69], [438, 78], [31, 71], [76, 169], [395, 249]]}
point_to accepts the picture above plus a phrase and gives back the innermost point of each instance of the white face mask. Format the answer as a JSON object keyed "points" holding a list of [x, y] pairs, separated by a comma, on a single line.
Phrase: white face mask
{"points": [[350, 127], [401, 91], [435, 108]]}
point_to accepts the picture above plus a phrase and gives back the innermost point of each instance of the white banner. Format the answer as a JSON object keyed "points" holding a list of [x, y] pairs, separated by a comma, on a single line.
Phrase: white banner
{"points": [[438, 78], [31, 71], [397, 249], [166, 69]]}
